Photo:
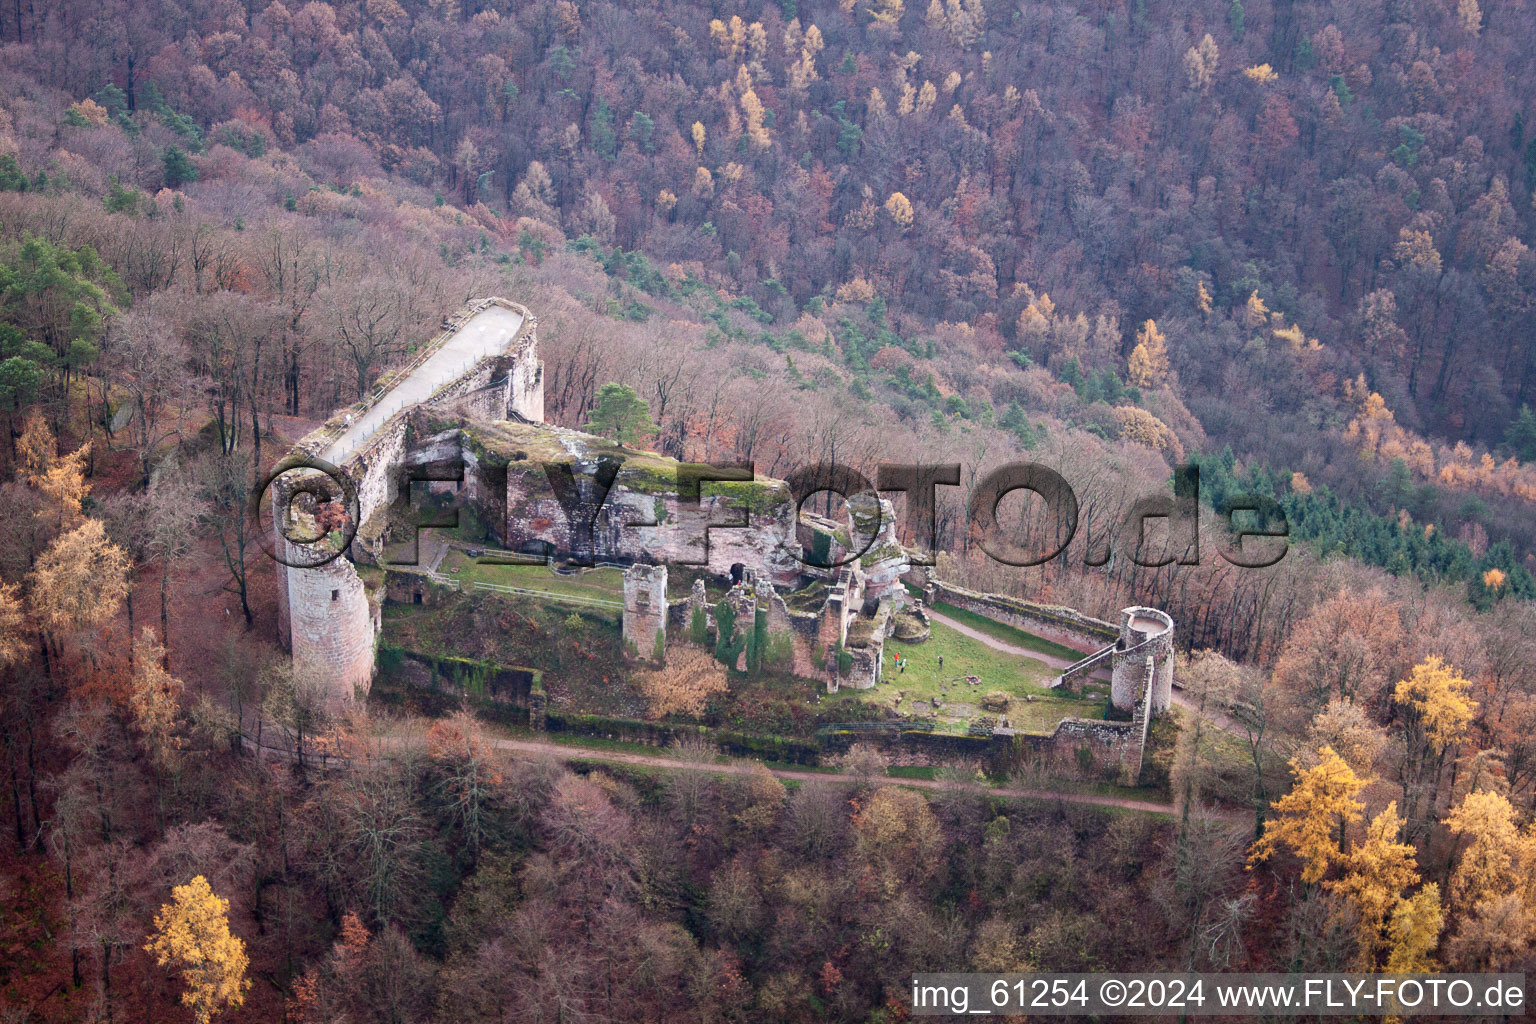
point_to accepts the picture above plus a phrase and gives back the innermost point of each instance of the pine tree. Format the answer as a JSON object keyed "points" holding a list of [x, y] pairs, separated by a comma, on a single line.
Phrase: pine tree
{"points": [[179, 168], [620, 413], [1520, 435], [1014, 420]]}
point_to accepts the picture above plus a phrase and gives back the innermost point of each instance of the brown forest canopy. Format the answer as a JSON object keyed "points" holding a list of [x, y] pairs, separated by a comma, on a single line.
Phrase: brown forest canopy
{"points": [[1364, 166]]}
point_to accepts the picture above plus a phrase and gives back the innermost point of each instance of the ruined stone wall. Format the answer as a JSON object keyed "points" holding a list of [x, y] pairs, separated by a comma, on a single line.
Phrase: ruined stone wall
{"points": [[1063, 625], [333, 627], [1124, 742], [1141, 681], [1127, 682], [326, 617], [645, 609], [508, 385], [642, 515]]}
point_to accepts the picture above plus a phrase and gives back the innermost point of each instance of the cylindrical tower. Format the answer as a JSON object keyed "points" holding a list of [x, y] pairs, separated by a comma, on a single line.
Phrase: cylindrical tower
{"points": [[1143, 632]]}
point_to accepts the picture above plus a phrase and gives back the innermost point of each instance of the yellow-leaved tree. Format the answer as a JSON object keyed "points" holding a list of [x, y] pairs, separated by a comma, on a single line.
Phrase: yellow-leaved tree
{"points": [[1493, 889], [79, 582], [1414, 932], [1141, 427], [13, 622], [1148, 366], [60, 479], [1313, 819], [1201, 63], [1255, 313], [899, 208], [1436, 710], [899, 838], [192, 934], [1436, 700], [757, 129], [1498, 859], [1375, 876]]}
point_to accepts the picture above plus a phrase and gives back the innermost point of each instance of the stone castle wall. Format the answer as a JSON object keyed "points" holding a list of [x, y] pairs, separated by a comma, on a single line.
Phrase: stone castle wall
{"points": [[1065, 626], [645, 609], [642, 516], [327, 619], [1143, 660]]}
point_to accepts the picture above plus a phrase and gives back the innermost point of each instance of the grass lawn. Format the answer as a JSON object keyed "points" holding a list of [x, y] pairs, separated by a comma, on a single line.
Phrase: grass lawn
{"points": [[606, 584], [1032, 708], [1006, 633]]}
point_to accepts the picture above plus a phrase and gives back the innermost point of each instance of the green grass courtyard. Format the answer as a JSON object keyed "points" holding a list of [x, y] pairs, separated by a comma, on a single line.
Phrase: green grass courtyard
{"points": [[602, 584], [912, 692]]}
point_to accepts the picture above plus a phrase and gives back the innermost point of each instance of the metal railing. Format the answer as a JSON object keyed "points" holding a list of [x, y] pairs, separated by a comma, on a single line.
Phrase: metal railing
{"points": [[581, 570]]}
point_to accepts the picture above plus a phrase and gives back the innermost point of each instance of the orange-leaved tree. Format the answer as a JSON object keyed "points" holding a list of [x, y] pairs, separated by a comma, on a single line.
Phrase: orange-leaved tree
{"points": [[1436, 711], [192, 934], [1313, 819]]}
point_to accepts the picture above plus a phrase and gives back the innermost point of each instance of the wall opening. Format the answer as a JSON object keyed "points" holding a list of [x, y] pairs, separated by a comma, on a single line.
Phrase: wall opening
{"points": [[416, 598], [335, 595]]}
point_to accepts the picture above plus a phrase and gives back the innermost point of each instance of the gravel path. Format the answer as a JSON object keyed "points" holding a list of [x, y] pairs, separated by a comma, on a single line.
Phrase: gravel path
{"points": [[486, 333], [577, 752]]}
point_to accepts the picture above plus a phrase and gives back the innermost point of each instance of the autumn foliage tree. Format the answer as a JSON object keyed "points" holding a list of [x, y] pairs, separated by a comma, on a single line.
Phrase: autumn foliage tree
{"points": [[1313, 819], [685, 685], [1493, 886], [192, 935], [79, 583], [154, 701], [1436, 709], [1148, 365]]}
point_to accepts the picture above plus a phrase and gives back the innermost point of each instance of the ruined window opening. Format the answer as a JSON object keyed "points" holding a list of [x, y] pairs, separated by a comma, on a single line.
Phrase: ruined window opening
{"points": [[335, 595], [416, 598]]}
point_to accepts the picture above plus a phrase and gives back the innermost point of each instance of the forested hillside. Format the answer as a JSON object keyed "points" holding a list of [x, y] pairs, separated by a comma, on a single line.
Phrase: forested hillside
{"points": [[1285, 241], [1313, 202]]}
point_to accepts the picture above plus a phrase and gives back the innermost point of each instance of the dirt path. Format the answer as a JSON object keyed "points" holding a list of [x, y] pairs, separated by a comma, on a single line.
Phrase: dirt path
{"points": [[1053, 660], [577, 752], [1220, 719], [571, 752]]}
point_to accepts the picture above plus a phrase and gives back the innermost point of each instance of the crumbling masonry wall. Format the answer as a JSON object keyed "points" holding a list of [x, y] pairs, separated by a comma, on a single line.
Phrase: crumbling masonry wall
{"points": [[645, 609], [328, 619]]}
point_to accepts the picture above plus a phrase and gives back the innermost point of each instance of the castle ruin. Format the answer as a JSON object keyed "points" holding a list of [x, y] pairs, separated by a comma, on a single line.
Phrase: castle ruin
{"points": [[466, 418]]}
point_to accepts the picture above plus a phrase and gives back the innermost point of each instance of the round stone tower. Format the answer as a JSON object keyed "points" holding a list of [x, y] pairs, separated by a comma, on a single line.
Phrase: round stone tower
{"points": [[1144, 633]]}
